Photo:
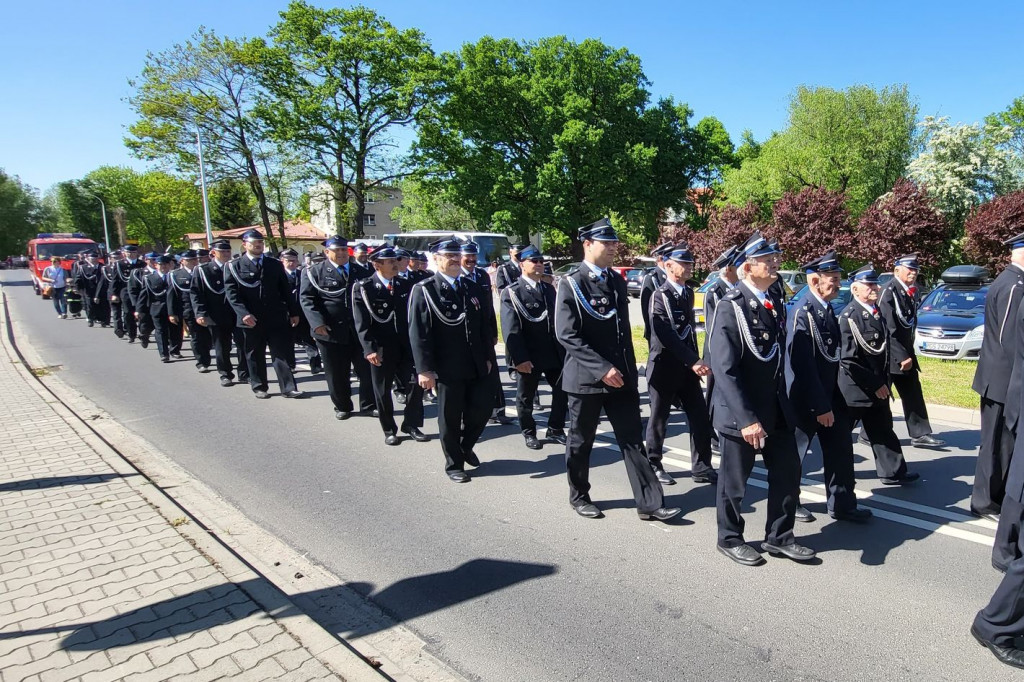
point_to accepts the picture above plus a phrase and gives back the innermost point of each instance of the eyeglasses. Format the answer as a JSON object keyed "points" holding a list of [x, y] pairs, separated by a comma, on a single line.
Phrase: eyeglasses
{"points": [[535, 260]]}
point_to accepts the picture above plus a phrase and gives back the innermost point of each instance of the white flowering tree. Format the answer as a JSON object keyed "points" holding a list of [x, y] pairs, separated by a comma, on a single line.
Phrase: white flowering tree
{"points": [[962, 166]]}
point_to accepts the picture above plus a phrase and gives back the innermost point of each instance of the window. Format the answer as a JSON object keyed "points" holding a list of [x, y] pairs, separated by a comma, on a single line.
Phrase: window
{"points": [[369, 199], [369, 220]]}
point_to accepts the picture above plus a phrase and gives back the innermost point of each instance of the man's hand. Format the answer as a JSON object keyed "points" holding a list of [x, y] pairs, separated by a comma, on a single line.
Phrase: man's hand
{"points": [[95, 300], [294, 320], [882, 393], [754, 435], [173, 319], [201, 321], [906, 364], [114, 299], [827, 419], [613, 378], [427, 381], [249, 321], [701, 370], [373, 359], [136, 314], [489, 365], [322, 330], [524, 367]]}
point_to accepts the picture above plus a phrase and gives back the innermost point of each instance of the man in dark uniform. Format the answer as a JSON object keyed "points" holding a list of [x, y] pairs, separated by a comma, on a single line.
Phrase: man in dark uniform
{"points": [[651, 283], [359, 266], [380, 312], [325, 293], [992, 382], [674, 369], [898, 306], [592, 324], [418, 268], [777, 290], [727, 279], [108, 273], [176, 326], [301, 333], [453, 350], [813, 350], [470, 271], [89, 282], [181, 312], [510, 271], [119, 290], [136, 283], [257, 290], [212, 311], [154, 297], [751, 410], [528, 325], [864, 375], [203, 256]]}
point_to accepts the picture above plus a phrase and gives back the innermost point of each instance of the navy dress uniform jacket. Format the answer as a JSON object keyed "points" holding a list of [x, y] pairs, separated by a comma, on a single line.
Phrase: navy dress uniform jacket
{"points": [[325, 293], [448, 331], [672, 326], [372, 302], [262, 292], [507, 274], [899, 310], [528, 325], [813, 350], [865, 355], [995, 363], [652, 282], [208, 297], [180, 295]]}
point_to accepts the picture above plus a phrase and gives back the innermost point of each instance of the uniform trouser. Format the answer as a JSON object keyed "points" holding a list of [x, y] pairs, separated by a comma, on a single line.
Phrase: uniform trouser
{"points": [[130, 324], [463, 408], [707, 400], [301, 336], [498, 401], [339, 359], [145, 327], [238, 338], [681, 386], [257, 339], [99, 311], [176, 336], [200, 340], [836, 455], [783, 464], [1003, 619], [994, 456], [117, 318], [87, 304], [1007, 547], [914, 410], [395, 362], [877, 421], [526, 389], [161, 333], [622, 407], [221, 337]]}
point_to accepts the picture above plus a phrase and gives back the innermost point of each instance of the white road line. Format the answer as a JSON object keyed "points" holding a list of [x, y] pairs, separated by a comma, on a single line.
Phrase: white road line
{"points": [[814, 494]]}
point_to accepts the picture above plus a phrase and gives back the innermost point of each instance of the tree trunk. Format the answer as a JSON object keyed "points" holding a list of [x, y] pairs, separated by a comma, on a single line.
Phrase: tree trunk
{"points": [[120, 223]]}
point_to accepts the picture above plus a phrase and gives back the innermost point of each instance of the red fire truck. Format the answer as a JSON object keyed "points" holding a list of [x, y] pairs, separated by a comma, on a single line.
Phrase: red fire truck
{"points": [[46, 245]]}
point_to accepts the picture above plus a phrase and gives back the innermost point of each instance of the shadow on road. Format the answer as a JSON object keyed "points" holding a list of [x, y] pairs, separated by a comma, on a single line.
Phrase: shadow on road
{"points": [[58, 481]]}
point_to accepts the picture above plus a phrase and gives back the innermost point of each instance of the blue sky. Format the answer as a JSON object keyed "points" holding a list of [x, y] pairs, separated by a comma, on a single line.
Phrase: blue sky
{"points": [[64, 66]]}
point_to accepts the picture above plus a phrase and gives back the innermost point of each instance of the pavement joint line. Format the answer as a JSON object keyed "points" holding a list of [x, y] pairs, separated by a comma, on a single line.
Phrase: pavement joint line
{"points": [[905, 519]]}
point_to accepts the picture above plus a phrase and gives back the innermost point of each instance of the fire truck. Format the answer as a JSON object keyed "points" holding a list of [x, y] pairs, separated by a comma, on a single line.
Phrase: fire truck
{"points": [[46, 245]]}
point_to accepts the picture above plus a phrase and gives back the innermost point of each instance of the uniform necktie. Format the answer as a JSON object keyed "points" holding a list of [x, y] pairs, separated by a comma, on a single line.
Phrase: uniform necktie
{"points": [[390, 287], [912, 291]]}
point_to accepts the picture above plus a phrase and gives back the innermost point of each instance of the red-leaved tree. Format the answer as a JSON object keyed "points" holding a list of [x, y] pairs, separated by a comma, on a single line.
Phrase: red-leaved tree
{"points": [[990, 225], [810, 222], [903, 221], [727, 226]]}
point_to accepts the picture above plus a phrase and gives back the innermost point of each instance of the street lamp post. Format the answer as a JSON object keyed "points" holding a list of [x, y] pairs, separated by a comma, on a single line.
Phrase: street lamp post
{"points": [[202, 182], [103, 209]]}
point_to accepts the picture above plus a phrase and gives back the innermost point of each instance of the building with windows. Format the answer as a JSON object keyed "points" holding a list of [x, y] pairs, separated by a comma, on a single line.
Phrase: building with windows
{"points": [[380, 202]]}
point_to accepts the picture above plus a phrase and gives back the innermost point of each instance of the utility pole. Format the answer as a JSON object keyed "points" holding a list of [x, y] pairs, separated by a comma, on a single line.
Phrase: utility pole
{"points": [[202, 182]]}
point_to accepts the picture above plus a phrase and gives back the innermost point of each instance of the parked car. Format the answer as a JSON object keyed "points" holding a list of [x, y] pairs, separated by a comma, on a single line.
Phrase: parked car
{"points": [[838, 303], [951, 319], [794, 279], [923, 287], [634, 281], [563, 270]]}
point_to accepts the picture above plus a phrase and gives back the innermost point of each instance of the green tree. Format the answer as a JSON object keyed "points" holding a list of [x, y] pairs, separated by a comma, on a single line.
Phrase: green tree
{"points": [[713, 153], [206, 84], [962, 166], [423, 208], [338, 83], [1013, 118], [856, 141], [546, 136], [21, 214], [231, 204]]}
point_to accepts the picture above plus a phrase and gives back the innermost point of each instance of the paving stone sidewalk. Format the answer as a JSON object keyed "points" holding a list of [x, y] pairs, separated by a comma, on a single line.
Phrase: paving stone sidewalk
{"points": [[96, 584]]}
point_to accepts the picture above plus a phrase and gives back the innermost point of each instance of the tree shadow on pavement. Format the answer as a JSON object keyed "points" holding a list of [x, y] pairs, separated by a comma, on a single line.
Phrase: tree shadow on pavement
{"points": [[58, 481]]}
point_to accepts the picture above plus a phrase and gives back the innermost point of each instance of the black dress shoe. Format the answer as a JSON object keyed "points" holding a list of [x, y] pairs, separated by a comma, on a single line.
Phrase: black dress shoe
{"points": [[803, 515], [262, 395], [176, 356], [742, 554], [663, 477], [556, 436], [224, 381], [165, 359], [856, 515], [400, 398], [131, 340], [459, 476], [994, 518], [709, 476], [588, 510], [927, 441], [342, 415], [501, 419], [416, 434], [531, 441], [470, 458], [144, 343], [662, 514], [1004, 654], [793, 551], [90, 323], [901, 480], [391, 439], [862, 439], [294, 394]]}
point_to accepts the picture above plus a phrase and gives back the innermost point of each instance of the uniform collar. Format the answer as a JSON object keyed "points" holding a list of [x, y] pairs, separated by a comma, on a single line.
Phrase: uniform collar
{"points": [[529, 282], [870, 307], [678, 288], [385, 282], [822, 302], [451, 280], [760, 295], [600, 272]]}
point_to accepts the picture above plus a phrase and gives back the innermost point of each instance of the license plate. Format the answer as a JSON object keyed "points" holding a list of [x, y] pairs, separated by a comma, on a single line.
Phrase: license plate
{"points": [[947, 347]]}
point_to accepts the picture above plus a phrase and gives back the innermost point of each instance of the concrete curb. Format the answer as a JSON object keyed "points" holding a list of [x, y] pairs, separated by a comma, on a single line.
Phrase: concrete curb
{"points": [[215, 529]]}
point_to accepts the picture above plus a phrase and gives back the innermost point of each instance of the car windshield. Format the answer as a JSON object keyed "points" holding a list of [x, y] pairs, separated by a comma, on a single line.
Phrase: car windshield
{"points": [[955, 300], [634, 274], [839, 301], [48, 251]]}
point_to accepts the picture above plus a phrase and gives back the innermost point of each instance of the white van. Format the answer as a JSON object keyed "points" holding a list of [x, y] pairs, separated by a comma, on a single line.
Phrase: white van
{"points": [[493, 245]]}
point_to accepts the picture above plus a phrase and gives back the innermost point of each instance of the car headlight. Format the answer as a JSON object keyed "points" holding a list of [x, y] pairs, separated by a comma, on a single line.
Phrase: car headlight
{"points": [[975, 334]]}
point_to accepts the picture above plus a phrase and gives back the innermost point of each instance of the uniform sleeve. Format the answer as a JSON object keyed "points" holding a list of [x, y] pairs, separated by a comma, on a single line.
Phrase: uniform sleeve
{"points": [[646, 291], [197, 295], [233, 294], [726, 354], [801, 352], [887, 309], [361, 320], [419, 332], [568, 331], [853, 363], [663, 328], [174, 307], [312, 306], [512, 330], [284, 290]]}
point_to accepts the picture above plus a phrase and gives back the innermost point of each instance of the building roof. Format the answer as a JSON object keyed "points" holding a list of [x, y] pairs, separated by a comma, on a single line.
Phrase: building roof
{"points": [[293, 229]]}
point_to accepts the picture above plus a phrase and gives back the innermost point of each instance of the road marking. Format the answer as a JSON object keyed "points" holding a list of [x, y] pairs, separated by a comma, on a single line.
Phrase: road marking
{"points": [[813, 490]]}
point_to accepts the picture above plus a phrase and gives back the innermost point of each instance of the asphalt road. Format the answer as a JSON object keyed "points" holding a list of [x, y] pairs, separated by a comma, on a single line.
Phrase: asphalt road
{"points": [[506, 583]]}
